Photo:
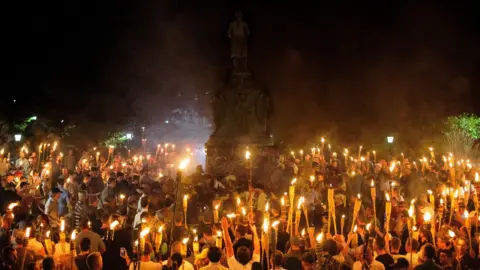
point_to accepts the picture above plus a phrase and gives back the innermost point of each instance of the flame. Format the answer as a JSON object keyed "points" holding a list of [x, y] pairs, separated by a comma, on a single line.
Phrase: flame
{"points": [[451, 234], [465, 214], [414, 228], [265, 225], [248, 155], [27, 232], [47, 234], [477, 179], [267, 206], [293, 181], [359, 196], [372, 184], [183, 164], [320, 236], [122, 196], [441, 201], [73, 235], [456, 194], [322, 140], [355, 229], [238, 201], [244, 212], [411, 211], [282, 201], [62, 225], [275, 224], [144, 232], [160, 229], [388, 197], [216, 206], [219, 234], [392, 167], [312, 178], [427, 217], [300, 202], [431, 149], [343, 216], [429, 192], [303, 232], [114, 224], [368, 226], [185, 240], [12, 205], [231, 215]]}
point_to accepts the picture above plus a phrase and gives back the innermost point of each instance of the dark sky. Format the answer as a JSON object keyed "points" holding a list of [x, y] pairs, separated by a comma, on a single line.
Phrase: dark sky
{"points": [[349, 67]]}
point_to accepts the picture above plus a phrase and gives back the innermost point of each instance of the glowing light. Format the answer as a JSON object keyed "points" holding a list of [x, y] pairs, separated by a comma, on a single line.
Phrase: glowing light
{"points": [[73, 236], [231, 215], [244, 212], [427, 217], [451, 234], [114, 224], [12, 205], [183, 164], [27, 232], [247, 155], [160, 229], [355, 229], [275, 224], [293, 181], [368, 226], [387, 197], [145, 232], [372, 184], [303, 232], [47, 234]]}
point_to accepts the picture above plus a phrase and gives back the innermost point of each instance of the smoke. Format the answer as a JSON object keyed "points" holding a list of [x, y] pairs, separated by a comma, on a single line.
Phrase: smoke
{"points": [[356, 74]]}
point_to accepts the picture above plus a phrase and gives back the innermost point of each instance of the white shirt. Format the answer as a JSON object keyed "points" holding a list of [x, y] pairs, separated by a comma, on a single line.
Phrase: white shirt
{"points": [[234, 264], [186, 265], [214, 266], [138, 217], [147, 266]]}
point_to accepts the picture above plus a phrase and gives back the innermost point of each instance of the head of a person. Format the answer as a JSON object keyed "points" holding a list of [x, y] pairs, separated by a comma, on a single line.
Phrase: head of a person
{"points": [[395, 244], [24, 186], [443, 241], [277, 259], [144, 202], [445, 257], [244, 255], [64, 171], [461, 246], [412, 245], [379, 244], [48, 263], [214, 254], [85, 244], [94, 261], [177, 260], [207, 233], [55, 193], [112, 183], [176, 247], [86, 178], [145, 217], [61, 182], [82, 195], [9, 255], [331, 247], [307, 260], [241, 231], [148, 249], [256, 266], [178, 220], [428, 252], [295, 243]]}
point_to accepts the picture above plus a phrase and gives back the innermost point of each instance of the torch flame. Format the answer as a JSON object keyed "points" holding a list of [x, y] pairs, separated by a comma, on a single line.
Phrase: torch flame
{"points": [[275, 224], [27, 232], [185, 240], [73, 235], [160, 229], [427, 217], [320, 236], [293, 181], [231, 215], [184, 164], [114, 224], [247, 155], [303, 232], [355, 229], [12, 205], [372, 184], [451, 233], [265, 225], [300, 202], [368, 226], [388, 197], [144, 232]]}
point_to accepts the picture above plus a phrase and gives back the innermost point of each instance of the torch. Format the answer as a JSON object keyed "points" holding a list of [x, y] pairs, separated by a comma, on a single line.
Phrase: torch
{"points": [[374, 195], [185, 205], [218, 240], [356, 208], [159, 238], [318, 245], [215, 213], [468, 225], [298, 214], [248, 162], [291, 197], [388, 211]]}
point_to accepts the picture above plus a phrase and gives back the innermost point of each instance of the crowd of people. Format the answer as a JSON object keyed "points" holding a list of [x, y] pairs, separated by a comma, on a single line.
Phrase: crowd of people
{"points": [[316, 210]]}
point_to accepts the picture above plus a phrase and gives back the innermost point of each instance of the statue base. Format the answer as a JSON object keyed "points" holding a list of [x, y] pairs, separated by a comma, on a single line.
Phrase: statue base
{"points": [[226, 156]]}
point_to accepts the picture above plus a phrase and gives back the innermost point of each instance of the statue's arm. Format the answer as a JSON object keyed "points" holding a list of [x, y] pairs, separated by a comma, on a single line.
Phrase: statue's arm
{"points": [[230, 30], [247, 31]]}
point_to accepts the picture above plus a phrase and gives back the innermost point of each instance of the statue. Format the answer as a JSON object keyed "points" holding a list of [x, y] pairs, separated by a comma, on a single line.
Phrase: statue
{"points": [[238, 33]]}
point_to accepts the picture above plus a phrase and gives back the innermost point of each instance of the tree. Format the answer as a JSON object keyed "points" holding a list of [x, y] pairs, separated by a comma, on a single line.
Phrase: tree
{"points": [[461, 134]]}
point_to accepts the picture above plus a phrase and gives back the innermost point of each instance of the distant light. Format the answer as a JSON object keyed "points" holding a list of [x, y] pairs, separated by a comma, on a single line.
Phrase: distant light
{"points": [[271, 135], [166, 121], [33, 118], [129, 136], [390, 139], [61, 121], [143, 128], [18, 137], [14, 100]]}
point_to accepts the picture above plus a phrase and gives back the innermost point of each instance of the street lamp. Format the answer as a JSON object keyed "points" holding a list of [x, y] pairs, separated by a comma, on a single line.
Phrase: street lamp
{"points": [[390, 139], [129, 136], [18, 137]]}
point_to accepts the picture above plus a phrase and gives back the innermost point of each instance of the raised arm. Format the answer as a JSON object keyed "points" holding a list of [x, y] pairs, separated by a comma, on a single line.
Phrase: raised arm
{"points": [[226, 238]]}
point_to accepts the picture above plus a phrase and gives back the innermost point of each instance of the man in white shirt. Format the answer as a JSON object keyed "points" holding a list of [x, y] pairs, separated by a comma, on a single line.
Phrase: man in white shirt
{"points": [[143, 204], [369, 261], [214, 255], [243, 253]]}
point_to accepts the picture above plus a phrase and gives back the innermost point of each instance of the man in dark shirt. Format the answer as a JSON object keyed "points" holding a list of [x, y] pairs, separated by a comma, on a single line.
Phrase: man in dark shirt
{"points": [[428, 255], [81, 259], [383, 257], [241, 240], [292, 260], [178, 232]]}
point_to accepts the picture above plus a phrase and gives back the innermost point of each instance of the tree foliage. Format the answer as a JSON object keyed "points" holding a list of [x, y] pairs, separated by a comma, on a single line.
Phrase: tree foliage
{"points": [[461, 133]]}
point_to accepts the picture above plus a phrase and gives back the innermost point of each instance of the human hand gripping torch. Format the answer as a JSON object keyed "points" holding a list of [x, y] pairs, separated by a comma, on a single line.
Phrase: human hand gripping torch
{"points": [[374, 195]]}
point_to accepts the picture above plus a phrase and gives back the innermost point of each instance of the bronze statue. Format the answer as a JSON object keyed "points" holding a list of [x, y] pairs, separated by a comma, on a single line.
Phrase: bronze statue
{"points": [[238, 33]]}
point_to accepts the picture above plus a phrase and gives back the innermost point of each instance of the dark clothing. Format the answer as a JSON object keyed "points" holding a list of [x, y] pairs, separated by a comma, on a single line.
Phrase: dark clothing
{"points": [[386, 260], [243, 242], [428, 265], [81, 262], [292, 260], [111, 257], [178, 233], [4, 238], [7, 197], [466, 262]]}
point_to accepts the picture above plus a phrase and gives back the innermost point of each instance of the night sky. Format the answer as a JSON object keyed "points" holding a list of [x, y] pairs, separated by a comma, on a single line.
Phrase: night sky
{"points": [[353, 68]]}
